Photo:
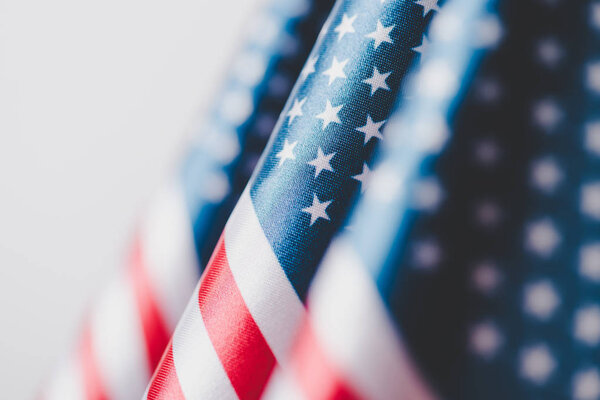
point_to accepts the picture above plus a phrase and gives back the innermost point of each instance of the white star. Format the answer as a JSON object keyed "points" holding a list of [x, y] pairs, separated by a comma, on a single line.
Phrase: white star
{"points": [[586, 385], [371, 129], [542, 237], [437, 79], [590, 200], [428, 5], [317, 210], [381, 34], [377, 81], [487, 152], [486, 278], [549, 52], [541, 300], [593, 76], [296, 110], [587, 325], [592, 137], [488, 89], [287, 153], [426, 254], [485, 340], [546, 174], [309, 67], [385, 184], [330, 114], [488, 213], [336, 70], [345, 26], [422, 48], [589, 261], [537, 363], [362, 177], [427, 194], [322, 162], [547, 114], [595, 15]]}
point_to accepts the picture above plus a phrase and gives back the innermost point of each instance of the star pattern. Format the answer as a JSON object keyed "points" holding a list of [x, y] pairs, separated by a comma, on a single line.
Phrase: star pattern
{"points": [[317, 210], [345, 26], [321, 146], [336, 70], [296, 110], [381, 34], [428, 5], [377, 81], [362, 177], [371, 129], [287, 153], [322, 162], [507, 257], [330, 115]]}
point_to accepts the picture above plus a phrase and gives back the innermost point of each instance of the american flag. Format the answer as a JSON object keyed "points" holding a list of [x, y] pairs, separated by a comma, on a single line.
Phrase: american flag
{"points": [[465, 266], [243, 315]]}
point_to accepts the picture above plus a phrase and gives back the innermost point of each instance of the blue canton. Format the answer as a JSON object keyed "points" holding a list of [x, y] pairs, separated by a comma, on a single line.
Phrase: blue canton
{"points": [[318, 155]]}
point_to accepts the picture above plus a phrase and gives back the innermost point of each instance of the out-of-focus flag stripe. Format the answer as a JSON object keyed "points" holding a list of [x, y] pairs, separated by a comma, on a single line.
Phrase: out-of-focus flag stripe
{"points": [[154, 328], [118, 345], [343, 295], [169, 258], [175, 239]]}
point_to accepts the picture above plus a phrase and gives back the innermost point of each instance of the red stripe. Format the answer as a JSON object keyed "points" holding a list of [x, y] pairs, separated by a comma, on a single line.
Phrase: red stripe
{"points": [[154, 328], [92, 382], [317, 377], [164, 385], [239, 344]]}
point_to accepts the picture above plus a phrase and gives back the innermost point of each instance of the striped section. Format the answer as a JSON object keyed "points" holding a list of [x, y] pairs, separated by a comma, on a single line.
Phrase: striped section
{"points": [[131, 324], [240, 322], [118, 344], [154, 328], [269, 295], [169, 254], [67, 384], [350, 339], [249, 361], [165, 384]]}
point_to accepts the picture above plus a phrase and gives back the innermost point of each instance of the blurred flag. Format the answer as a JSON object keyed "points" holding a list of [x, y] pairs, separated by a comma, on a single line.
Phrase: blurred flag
{"points": [[128, 329], [243, 315]]}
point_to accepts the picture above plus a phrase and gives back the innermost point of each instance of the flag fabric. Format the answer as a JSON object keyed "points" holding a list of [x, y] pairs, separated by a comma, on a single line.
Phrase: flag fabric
{"points": [[348, 346], [129, 327], [242, 317], [465, 266], [477, 263]]}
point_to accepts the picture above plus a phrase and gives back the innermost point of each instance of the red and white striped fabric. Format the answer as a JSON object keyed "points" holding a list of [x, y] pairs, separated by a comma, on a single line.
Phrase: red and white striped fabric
{"points": [[116, 357], [347, 347], [200, 361]]}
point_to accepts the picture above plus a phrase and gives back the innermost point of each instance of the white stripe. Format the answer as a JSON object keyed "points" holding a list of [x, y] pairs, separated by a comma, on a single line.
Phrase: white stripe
{"points": [[198, 367], [118, 342], [352, 324], [67, 383], [169, 254], [267, 292], [282, 385]]}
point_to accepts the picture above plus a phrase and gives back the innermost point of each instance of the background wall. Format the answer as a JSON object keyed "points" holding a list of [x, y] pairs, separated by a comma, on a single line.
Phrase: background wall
{"points": [[95, 98]]}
